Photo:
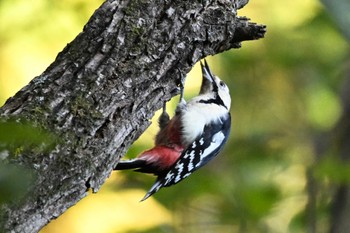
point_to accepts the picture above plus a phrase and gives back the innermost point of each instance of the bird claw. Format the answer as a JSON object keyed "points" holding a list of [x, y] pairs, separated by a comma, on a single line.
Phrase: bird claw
{"points": [[182, 87], [163, 118]]}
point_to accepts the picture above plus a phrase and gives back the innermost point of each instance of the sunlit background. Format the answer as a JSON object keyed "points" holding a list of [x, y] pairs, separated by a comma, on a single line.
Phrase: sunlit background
{"points": [[285, 92]]}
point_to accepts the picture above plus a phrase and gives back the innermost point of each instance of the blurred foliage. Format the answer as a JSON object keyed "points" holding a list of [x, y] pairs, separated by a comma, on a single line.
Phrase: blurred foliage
{"points": [[18, 136], [31, 35], [339, 11], [285, 92], [14, 182], [16, 139]]}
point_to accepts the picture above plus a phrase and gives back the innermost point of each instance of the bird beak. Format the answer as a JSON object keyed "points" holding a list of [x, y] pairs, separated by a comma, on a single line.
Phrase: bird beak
{"points": [[207, 78]]}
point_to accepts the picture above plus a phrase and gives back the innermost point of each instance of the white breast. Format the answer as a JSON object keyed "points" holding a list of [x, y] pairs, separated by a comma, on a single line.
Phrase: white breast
{"points": [[196, 116]]}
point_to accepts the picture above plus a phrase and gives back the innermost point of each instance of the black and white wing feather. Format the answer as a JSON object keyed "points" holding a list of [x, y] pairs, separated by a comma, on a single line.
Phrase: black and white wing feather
{"points": [[199, 152]]}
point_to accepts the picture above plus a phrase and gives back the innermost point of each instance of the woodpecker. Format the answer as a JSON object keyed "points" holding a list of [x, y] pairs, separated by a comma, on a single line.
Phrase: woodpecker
{"points": [[193, 137]]}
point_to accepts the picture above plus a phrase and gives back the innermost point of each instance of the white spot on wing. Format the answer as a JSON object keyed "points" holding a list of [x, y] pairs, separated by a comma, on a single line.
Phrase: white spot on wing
{"points": [[216, 142], [169, 177], [180, 168], [218, 137], [190, 163]]}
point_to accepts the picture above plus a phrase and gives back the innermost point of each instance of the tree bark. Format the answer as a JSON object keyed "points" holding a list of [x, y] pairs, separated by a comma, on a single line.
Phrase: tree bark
{"points": [[102, 89]]}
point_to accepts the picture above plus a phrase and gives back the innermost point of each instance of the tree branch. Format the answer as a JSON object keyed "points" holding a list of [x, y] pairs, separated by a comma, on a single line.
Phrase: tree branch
{"points": [[102, 89]]}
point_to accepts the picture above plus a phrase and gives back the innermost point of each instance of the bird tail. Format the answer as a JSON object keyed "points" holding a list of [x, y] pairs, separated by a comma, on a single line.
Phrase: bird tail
{"points": [[155, 187], [130, 164], [136, 165]]}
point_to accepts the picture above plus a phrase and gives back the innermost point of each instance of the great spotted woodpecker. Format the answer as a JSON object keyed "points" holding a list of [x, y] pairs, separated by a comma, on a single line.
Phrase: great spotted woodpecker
{"points": [[194, 136]]}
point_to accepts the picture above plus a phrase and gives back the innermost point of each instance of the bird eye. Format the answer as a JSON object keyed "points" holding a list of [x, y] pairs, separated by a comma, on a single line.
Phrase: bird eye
{"points": [[222, 83]]}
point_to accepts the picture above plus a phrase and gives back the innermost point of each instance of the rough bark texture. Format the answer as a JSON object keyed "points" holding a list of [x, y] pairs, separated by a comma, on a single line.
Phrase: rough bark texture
{"points": [[102, 89]]}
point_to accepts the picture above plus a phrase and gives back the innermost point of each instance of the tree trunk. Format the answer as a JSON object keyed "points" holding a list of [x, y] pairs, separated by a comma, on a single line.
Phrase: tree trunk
{"points": [[102, 89]]}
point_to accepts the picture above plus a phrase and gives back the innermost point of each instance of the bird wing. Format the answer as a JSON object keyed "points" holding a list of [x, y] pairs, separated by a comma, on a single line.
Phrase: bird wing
{"points": [[206, 146]]}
